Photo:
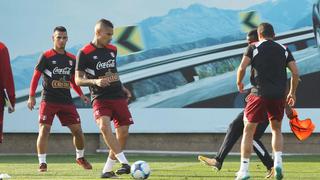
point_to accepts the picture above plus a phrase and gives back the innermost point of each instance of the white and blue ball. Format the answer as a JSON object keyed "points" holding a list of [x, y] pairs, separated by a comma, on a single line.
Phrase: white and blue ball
{"points": [[140, 170]]}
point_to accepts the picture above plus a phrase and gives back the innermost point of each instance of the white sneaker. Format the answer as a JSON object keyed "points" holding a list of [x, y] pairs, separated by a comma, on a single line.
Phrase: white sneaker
{"points": [[242, 176]]}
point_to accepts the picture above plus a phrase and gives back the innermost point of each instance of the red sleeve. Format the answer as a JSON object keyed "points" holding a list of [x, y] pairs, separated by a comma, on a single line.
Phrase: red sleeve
{"points": [[76, 88], [34, 82], [6, 74]]}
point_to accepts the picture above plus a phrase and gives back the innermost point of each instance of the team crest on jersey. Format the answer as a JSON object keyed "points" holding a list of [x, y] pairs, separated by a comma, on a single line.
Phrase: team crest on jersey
{"points": [[70, 62], [112, 54], [95, 57], [54, 62]]}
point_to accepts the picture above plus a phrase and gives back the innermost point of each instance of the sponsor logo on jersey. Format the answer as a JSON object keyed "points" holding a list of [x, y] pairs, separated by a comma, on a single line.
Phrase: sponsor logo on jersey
{"points": [[64, 71], [112, 77], [54, 62], [108, 64], [70, 62], [112, 54], [95, 57], [62, 83]]}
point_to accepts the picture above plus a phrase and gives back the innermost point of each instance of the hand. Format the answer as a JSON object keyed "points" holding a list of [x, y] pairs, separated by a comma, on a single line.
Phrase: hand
{"points": [[11, 110], [85, 99], [104, 82], [127, 92], [291, 99], [31, 102], [240, 87]]}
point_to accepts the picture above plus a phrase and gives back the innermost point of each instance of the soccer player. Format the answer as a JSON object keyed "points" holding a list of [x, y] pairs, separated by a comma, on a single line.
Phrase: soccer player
{"points": [[6, 83], [268, 60], [57, 68], [96, 68], [235, 130]]}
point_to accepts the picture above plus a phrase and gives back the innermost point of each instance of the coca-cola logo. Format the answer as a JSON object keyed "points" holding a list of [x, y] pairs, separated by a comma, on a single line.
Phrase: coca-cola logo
{"points": [[64, 71], [108, 64]]}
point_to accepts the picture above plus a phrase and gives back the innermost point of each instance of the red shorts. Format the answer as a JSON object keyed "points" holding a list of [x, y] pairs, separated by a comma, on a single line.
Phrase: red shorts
{"points": [[257, 107], [116, 109], [66, 113]]}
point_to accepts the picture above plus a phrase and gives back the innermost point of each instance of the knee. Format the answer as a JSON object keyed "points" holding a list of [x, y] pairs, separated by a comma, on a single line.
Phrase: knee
{"points": [[104, 129], [123, 135], [77, 132], [44, 130]]}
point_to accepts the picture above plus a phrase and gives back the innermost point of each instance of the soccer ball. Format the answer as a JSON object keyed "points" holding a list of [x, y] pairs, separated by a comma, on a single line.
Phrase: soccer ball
{"points": [[140, 170]]}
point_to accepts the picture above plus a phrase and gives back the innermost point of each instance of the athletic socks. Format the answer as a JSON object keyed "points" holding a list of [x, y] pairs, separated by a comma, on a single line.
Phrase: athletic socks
{"points": [[122, 159], [42, 158], [244, 165], [109, 165], [79, 153], [278, 159]]}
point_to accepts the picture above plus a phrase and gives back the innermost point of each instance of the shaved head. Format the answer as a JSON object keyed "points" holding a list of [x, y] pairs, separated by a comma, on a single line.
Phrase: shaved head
{"points": [[103, 24], [103, 32]]}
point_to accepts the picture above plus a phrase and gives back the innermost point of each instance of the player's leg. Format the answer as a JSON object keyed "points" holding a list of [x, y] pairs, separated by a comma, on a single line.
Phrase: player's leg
{"points": [[246, 148], [69, 117], [42, 145], [122, 134], [103, 111], [78, 142], [261, 150], [46, 115], [277, 145], [253, 114], [275, 111], [122, 120], [233, 134], [112, 143]]}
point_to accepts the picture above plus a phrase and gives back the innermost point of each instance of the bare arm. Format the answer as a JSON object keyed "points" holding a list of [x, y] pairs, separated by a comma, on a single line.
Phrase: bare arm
{"points": [[127, 92], [82, 80], [291, 98], [242, 71]]}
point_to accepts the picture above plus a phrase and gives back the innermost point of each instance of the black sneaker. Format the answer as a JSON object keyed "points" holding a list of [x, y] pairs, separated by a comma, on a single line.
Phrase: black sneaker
{"points": [[125, 169], [110, 175]]}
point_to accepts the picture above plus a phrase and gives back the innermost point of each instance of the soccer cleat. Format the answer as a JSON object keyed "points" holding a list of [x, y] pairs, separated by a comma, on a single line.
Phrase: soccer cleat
{"points": [[270, 173], [210, 162], [125, 169], [278, 173], [110, 175], [43, 167], [84, 163], [242, 176]]}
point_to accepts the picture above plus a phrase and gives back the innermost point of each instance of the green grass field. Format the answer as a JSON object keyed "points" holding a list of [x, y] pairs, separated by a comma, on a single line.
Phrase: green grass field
{"points": [[163, 167]]}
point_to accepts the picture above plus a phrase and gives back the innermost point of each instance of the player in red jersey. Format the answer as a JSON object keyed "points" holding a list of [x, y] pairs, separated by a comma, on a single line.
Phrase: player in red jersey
{"points": [[96, 68], [57, 68], [6, 84]]}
